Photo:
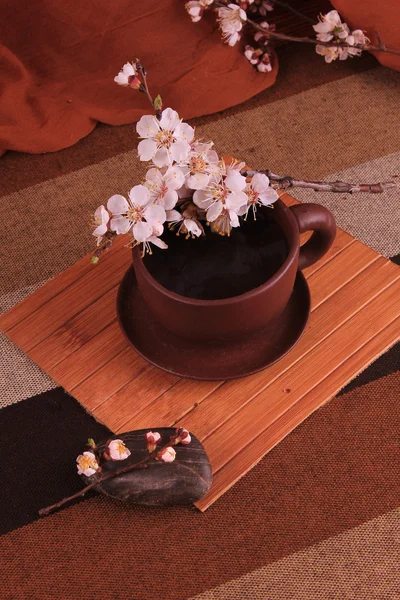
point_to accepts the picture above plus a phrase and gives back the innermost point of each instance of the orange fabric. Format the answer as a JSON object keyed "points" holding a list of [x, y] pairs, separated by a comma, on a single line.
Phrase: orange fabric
{"points": [[58, 60], [372, 16]]}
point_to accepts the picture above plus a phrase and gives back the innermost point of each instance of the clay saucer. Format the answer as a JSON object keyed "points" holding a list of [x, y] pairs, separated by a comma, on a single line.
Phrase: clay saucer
{"points": [[210, 361]]}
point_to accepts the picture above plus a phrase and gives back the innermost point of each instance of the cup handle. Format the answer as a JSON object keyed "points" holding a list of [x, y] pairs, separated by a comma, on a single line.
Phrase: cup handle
{"points": [[316, 218]]}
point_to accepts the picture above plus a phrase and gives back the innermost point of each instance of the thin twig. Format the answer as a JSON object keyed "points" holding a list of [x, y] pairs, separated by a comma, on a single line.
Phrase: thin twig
{"points": [[290, 8], [286, 181], [382, 46]]}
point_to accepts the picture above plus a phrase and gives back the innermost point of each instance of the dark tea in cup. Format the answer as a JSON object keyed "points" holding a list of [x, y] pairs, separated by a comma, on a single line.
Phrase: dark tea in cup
{"points": [[214, 267]]}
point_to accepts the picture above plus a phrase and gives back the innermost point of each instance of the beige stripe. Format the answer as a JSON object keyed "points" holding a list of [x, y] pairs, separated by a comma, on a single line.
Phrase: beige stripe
{"points": [[318, 131], [372, 218], [361, 564], [312, 133], [20, 377]]}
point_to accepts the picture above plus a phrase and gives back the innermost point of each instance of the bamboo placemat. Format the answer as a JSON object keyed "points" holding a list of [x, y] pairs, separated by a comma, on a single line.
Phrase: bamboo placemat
{"points": [[69, 328]]}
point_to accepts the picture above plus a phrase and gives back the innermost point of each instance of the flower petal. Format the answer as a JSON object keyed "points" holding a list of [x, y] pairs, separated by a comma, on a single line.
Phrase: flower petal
{"points": [[139, 195], [101, 215], [234, 219], [121, 79], [142, 231], [214, 211], [269, 197], [169, 119], [157, 242], [154, 175], [192, 227], [120, 225], [334, 17], [260, 182], [117, 204], [173, 215], [174, 178], [184, 131], [322, 27], [201, 199], [158, 228], [100, 230], [147, 149], [234, 181], [128, 70], [169, 199], [235, 200], [147, 126], [161, 158], [179, 150], [155, 213], [198, 181]]}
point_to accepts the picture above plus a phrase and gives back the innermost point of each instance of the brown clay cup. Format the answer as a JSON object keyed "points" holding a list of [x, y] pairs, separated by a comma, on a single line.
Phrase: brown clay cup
{"points": [[216, 321]]}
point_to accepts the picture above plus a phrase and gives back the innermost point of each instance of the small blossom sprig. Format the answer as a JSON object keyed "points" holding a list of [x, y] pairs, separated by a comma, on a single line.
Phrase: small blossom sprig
{"points": [[90, 463], [334, 39], [188, 186]]}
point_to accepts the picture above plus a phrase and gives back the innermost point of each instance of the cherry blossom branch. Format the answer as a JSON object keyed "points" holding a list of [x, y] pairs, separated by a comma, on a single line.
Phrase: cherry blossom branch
{"points": [[306, 40], [340, 187], [105, 477], [268, 33]]}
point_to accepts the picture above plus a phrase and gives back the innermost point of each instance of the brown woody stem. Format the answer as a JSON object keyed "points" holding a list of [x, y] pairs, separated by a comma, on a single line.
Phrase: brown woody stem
{"points": [[285, 182]]}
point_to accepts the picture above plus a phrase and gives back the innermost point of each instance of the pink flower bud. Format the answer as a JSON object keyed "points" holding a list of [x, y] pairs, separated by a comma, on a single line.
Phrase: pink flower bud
{"points": [[182, 436], [185, 437], [152, 437], [134, 83], [167, 455]]}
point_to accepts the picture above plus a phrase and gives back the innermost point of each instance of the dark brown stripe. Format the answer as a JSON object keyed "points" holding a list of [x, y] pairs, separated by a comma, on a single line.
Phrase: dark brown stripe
{"points": [[300, 69], [334, 472], [40, 439]]}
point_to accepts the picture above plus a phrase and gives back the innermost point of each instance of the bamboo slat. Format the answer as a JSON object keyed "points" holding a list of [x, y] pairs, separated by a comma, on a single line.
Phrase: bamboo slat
{"points": [[69, 328]]}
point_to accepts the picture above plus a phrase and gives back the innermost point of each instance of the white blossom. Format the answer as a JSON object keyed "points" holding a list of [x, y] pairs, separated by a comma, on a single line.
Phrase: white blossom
{"points": [[185, 225], [196, 8], [201, 163], [117, 450], [127, 76], [329, 52], [231, 19], [331, 26], [87, 464], [358, 38], [259, 192], [163, 185], [223, 194], [164, 140], [137, 214], [100, 220]]}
